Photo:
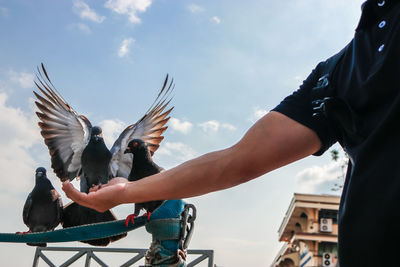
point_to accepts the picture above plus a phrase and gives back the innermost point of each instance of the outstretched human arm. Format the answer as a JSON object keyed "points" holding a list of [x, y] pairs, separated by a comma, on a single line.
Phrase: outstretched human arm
{"points": [[274, 141]]}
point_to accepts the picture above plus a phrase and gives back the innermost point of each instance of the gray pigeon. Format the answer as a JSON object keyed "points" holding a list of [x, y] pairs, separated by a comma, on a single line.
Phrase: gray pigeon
{"points": [[142, 166], [78, 150], [43, 208]]}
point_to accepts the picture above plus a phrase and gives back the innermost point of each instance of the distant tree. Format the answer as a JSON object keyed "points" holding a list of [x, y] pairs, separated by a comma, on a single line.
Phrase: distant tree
{"points": [[335, 155]]}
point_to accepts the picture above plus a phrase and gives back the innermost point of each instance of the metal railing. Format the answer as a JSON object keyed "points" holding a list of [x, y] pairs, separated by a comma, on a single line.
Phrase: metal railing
{"points": [[90, 254]]}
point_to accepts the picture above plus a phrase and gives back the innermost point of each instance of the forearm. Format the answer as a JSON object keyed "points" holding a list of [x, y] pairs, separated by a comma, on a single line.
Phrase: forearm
{"points": [[204, 174], [272, 142]]}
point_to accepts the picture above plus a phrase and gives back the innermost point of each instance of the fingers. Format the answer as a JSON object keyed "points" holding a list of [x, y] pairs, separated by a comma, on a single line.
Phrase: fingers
{"points": [[88, 200], [100, 197], [67, 187], [71, 192], [94, 188]]}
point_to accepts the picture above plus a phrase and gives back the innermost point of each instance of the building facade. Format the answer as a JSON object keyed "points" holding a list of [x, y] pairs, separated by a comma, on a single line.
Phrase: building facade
{"points": [[309, 231]]}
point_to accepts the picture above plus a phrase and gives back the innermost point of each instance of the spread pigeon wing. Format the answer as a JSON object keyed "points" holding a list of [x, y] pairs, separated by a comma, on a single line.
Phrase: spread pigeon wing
{"points": [[64, 131], [149, 128]]}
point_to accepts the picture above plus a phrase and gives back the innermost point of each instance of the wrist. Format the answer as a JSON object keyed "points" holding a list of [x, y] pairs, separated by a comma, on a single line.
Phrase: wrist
{"points": [[127, 193]]}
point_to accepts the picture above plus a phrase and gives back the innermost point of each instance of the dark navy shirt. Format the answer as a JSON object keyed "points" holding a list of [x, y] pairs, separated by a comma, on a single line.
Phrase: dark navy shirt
{"points": [[367, 80]]}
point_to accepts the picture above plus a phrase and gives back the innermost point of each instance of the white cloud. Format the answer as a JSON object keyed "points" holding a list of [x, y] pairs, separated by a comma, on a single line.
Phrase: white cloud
{"points": [[19, 134], [111, 130], [214, 126], [180, 126], [81, 27], [129, 7], [319, 179], [228, 126], [176, 150], [216, 20], [125, 47], [85, 12], [195, 8], [258, 113], [23, 79], [210, 126]]}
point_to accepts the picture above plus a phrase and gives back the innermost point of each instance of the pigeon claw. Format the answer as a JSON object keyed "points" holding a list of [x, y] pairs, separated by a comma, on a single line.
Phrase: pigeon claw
{"points": [[131, 218], [22, 233], [148, 214]]}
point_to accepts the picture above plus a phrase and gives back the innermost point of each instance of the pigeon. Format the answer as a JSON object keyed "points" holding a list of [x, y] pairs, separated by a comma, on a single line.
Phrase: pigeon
{"points": [[95, 161], [43, 208], [142, 166], [77, 148]]}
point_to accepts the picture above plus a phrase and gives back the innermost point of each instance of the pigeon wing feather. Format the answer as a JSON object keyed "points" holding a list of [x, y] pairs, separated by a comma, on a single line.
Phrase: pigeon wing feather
{"points": [[149, 128], [64, 131]]}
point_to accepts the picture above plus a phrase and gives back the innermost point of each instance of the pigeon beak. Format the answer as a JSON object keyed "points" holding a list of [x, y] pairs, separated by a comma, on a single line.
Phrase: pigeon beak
{"points": [[127, 150]]}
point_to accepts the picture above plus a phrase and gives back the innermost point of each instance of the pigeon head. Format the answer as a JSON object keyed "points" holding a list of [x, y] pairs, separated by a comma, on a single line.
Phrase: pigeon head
{"points": [[96, 133], [40, 175], [40, 171], [135, 146]]}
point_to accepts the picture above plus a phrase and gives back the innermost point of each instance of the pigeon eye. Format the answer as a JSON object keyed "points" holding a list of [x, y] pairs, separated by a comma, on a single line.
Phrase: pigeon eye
{"points": [[135, 144]]}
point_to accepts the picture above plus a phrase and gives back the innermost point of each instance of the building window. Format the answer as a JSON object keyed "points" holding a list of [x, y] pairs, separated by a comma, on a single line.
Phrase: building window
{"points": [[303, 215], [327, 247], [333, 214]]}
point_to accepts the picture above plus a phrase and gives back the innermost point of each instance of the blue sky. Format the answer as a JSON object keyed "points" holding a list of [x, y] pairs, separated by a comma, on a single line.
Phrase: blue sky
{"points": [[232, 61]]}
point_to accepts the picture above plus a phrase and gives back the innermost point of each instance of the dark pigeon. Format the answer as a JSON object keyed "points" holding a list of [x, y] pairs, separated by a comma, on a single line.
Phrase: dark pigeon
{"points": [[43, 208], [142, 166], [95, 161], [78, 150]]}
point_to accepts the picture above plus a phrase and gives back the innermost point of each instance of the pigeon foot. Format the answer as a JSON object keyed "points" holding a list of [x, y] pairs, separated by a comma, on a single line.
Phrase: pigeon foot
{"points": [[22, 233], [129, 218], [148, 214]]}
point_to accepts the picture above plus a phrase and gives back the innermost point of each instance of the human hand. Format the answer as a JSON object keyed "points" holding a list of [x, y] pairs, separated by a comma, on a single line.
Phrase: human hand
{"points": [[101, 200]]}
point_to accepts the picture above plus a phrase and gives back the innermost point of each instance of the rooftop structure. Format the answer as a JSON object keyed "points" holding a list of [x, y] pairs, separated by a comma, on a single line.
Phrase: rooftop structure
{"points": [[309, 230]]}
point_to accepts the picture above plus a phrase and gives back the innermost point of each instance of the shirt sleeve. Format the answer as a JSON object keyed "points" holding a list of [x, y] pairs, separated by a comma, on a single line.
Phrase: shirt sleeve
{"points": [[298, 106]]}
